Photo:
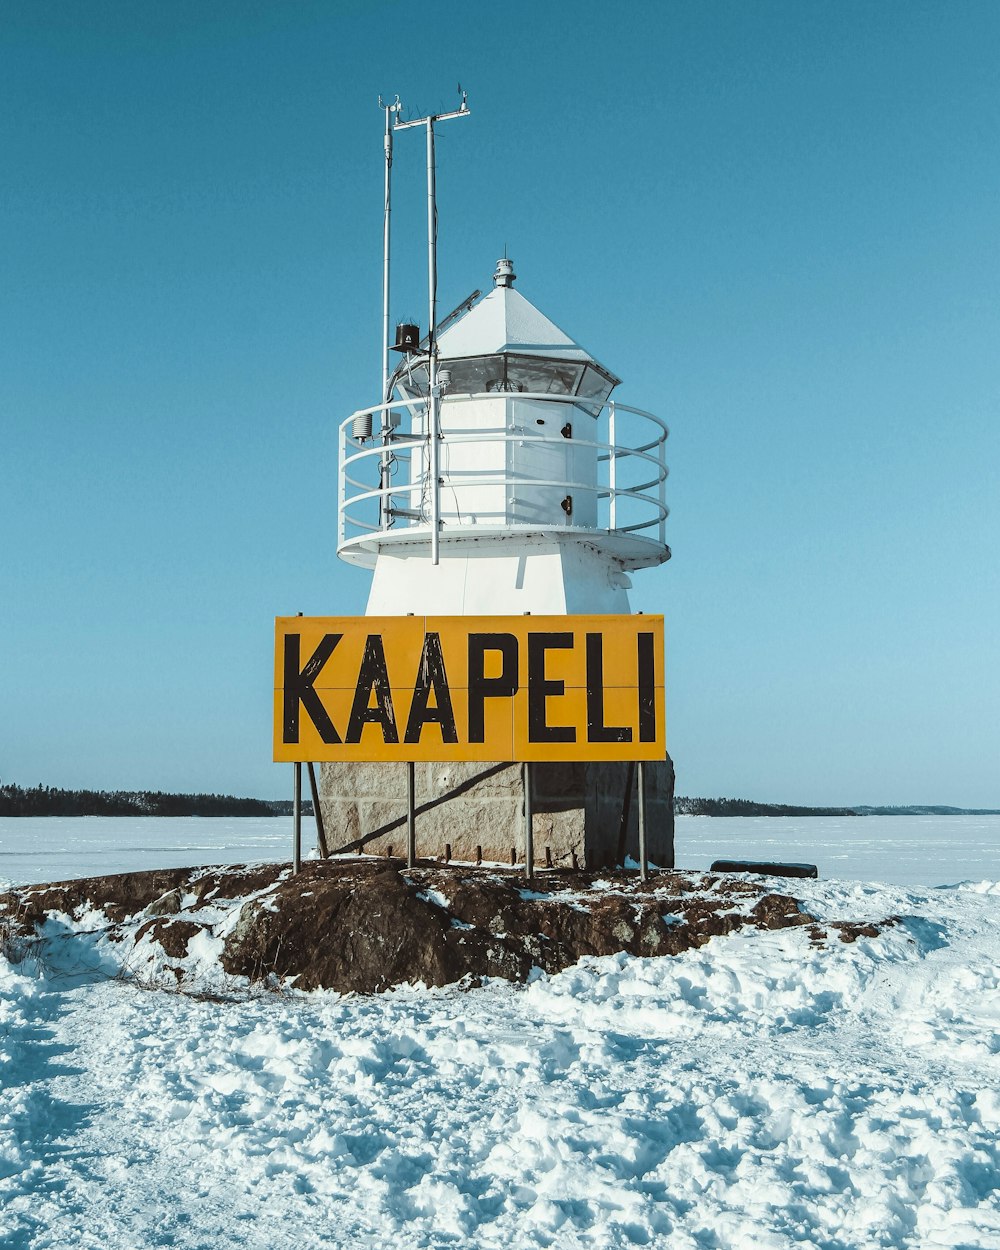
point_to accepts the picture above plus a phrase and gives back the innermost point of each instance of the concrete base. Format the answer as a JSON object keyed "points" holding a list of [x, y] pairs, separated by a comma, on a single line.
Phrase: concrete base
{"points": [[478, 809]]}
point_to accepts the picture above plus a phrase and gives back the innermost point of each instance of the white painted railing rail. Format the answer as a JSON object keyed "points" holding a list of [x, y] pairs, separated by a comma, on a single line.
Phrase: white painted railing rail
{"points": [[629, 445]]}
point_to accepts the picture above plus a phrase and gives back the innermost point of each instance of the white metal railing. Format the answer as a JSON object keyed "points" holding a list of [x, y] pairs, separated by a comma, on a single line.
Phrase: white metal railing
{"points": [[384, 490]]}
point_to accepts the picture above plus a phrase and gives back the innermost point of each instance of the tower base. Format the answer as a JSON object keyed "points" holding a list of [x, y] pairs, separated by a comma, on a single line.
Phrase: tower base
{"points": [[585, 813]]}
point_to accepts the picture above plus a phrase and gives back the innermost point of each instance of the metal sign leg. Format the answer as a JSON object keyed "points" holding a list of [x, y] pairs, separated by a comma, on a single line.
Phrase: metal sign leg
{"points": [[321, 843], [643, 863], [297, 820], [411, 831], [529, 832]]}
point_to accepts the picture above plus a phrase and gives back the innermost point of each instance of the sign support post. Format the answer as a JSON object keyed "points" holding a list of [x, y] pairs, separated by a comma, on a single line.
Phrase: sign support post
{"points": [[321, 843], [643, 865], [297, 820], [411, 832], [529, 832]]}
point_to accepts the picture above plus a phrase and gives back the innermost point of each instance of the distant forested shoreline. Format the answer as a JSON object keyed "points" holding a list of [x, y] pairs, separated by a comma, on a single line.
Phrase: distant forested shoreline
{"points": [[50, 801], [746, 807]]}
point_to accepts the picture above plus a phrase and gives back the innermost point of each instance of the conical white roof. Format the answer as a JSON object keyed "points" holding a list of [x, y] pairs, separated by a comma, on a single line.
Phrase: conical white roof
{"points": [[507, 322]]}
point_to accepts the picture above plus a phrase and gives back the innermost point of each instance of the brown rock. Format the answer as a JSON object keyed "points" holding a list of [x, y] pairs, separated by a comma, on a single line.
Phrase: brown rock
{"points": [[172, 935], [778, 911]]}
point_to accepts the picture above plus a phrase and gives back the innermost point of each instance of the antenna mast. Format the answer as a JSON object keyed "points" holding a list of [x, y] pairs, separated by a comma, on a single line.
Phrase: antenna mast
{"points": [[434, 389], [389, 109]]}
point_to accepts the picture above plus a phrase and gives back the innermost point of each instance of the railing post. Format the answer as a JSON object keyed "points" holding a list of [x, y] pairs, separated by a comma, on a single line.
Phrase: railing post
{"points": [[612, 469], [662, 493], [341, 489]]}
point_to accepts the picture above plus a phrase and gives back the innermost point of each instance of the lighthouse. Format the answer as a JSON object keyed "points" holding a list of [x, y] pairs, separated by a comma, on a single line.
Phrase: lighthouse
{"points": [[498, 475]]}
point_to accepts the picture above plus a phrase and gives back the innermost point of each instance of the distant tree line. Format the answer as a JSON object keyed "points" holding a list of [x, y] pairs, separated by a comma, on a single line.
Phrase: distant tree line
{"points": [[50, 801], [746, 807], [684, 806]]}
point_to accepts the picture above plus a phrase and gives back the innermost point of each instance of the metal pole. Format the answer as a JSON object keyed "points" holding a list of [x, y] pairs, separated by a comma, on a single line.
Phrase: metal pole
{"points": [[433, 433], [626, 813], [643, 865], [321, 843], [435, 451], [435, 473], [529, 832], [386, 215], [431, 244], [297, 820], [411, 831]]}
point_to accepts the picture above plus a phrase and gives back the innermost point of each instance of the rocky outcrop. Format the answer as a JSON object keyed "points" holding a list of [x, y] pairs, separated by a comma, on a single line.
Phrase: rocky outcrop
{"points": [[367, 925]]}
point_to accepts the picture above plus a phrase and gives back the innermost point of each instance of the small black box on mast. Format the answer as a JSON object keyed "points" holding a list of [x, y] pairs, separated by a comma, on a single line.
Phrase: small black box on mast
{"points": [[407, 338]]}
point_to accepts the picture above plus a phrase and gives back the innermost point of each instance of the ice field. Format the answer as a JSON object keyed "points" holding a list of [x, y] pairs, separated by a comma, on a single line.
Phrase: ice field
{"points": [[904, 850]]}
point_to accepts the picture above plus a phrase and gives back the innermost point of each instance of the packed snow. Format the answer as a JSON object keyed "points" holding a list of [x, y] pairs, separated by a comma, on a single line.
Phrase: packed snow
{"points": [[763, 1091]]}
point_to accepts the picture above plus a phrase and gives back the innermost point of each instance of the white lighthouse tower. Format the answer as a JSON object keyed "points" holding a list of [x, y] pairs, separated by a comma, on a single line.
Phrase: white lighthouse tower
{"points": [[497, 476]]}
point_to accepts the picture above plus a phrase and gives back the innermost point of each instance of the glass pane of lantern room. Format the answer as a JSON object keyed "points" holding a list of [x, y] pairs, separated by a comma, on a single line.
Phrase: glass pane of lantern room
{"points": [[412, 382], [595, 386], [546, 377], [474, 375]]}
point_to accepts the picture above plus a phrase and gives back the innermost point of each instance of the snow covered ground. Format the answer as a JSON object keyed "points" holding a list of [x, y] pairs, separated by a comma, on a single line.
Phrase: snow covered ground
{"points": [[761, 1092], [904, 850]]}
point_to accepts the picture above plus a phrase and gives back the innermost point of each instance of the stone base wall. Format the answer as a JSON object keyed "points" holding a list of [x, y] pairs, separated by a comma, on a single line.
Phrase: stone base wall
{"points": [[478, 809]]}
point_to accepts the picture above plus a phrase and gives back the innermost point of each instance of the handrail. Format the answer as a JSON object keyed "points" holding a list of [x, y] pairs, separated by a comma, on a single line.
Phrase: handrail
{"points": [[646, 498], [549, 398]]}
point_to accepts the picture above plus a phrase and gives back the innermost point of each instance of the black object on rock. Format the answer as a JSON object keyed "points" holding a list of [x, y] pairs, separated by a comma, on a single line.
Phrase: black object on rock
{"points": [[765, 869]]}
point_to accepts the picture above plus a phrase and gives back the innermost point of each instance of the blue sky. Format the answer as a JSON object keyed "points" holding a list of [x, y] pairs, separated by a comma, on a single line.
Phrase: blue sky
{"points": [[778, 222]]}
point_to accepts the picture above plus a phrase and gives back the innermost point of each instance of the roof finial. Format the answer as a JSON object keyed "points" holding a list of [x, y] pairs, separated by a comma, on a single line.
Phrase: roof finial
{"points": [[505, 274]]}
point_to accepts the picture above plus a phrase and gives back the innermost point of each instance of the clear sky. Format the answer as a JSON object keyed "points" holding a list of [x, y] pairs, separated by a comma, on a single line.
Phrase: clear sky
{"points": [[778, 222]]}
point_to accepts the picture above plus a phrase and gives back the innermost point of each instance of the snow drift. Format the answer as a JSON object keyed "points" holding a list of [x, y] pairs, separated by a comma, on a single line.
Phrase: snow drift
{"points": [[762, 1089]]}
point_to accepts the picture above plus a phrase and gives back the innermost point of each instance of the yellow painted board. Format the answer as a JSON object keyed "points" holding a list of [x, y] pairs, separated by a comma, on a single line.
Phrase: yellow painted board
{"points": [[469, 688]]}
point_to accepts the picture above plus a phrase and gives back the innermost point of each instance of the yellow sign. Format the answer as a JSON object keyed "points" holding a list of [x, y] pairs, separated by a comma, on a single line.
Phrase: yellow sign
{"points": [[468, 688]]}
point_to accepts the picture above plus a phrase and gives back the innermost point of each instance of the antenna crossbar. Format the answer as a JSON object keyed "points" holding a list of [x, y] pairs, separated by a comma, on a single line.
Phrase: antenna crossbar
{"points": [[464, 111]]}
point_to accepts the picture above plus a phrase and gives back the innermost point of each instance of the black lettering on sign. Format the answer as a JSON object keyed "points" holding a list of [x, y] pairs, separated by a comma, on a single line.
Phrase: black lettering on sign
{"points": [[372, 676], [299, 689], [482, 687], [647, 691], [431, 679], [597, 731], [540, 688]]}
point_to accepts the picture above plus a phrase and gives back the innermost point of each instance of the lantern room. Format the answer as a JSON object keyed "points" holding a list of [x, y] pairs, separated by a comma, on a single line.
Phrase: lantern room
{"points": [[506, 460]]}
